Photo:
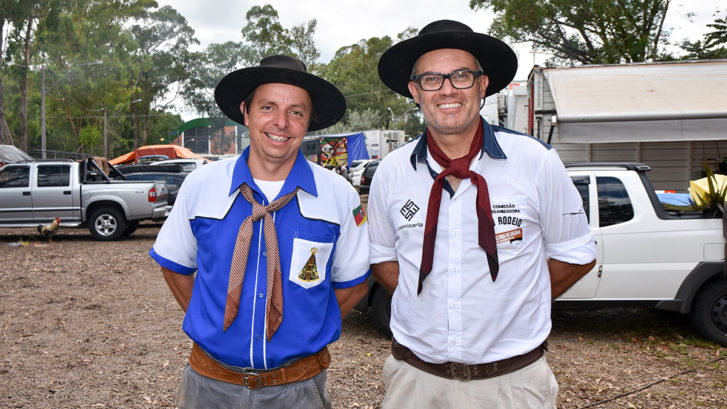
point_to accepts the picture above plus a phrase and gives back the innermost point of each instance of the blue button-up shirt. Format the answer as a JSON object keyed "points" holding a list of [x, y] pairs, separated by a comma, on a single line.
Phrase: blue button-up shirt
{"points": [[321, 228]]}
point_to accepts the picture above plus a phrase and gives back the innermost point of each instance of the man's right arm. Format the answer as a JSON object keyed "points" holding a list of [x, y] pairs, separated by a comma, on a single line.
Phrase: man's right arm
{"points": [[387, 274], [181, 286]]}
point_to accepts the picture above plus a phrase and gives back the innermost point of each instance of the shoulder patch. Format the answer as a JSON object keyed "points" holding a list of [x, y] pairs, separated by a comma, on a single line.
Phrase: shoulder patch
{"points": [[359, 215]]}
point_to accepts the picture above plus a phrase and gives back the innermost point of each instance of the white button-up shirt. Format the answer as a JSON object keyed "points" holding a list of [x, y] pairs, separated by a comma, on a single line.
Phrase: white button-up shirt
{"points": [[461, 315]]}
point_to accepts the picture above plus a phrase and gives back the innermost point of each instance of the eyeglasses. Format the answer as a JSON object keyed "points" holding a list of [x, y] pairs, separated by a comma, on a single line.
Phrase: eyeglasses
{"points": [[432, 81]]}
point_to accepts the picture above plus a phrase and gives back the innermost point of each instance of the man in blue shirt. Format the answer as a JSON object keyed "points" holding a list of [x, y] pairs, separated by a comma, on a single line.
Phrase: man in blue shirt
{"points": [[279, 246]]}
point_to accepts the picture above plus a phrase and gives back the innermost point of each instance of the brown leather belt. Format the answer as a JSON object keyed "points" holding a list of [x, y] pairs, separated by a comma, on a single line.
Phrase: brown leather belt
{"points": [[463, 372], [300, 370]]}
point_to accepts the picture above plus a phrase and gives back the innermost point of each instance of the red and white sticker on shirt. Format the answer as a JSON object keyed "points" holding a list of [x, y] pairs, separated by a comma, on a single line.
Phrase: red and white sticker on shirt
{"points": [[509, 236]]}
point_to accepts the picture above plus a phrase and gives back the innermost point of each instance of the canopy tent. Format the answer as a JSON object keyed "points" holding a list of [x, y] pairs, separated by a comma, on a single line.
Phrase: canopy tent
{"points": [[12, 154], [674, 101], [171, 151]]}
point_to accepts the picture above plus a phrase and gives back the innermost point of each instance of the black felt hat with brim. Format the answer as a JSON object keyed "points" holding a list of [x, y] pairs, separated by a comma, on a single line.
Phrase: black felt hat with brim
{"points": [[329, 105], [498, 60]]}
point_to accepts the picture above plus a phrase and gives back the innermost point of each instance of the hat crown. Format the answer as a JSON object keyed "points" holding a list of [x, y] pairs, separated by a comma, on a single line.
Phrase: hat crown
{"points": [[442, 26], [283, 61]]}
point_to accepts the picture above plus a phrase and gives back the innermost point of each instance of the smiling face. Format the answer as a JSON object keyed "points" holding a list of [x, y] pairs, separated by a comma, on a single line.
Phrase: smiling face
{"points": [[449, 111], [278, 119]]}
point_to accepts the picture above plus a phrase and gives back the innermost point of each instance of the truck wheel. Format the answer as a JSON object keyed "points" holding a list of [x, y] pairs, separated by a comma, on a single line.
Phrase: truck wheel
{"points": [[131, 227], [709, 312], [106, 224], [381, 311]]}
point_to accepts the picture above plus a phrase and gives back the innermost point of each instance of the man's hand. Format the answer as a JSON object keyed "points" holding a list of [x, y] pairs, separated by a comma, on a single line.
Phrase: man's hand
{"points": [[181, 286], [349, 297], [564, 275], [387, 274]]}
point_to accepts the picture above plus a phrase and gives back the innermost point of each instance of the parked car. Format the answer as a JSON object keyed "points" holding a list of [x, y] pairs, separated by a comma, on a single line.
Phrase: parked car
{"points": [[648, 255], [173, 181], [187, 165], [367, 175], [357, 167], [79, 193]]}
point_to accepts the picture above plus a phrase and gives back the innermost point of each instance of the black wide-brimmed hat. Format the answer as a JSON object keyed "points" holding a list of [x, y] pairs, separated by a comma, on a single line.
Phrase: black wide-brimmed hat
{"points": [[329, 105], [498, 60]]}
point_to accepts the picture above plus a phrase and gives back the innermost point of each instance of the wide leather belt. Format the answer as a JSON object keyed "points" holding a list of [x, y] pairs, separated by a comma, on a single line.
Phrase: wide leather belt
{"points": [[300, 370], [463, 372]]}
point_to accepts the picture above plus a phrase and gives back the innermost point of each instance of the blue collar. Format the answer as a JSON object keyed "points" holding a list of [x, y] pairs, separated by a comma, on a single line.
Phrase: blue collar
{"points": [[489, 146], [301, 175]]}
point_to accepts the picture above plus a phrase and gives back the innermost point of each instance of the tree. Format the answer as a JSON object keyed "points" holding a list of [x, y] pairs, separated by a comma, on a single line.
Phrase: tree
{"points": [[587, 31], [304, 45], [353, 71], [163, 37], [264, 32], [713, 45]]}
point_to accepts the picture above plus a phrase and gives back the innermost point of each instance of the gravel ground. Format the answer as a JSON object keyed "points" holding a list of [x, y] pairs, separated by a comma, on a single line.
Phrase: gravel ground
{"points": [[86, 324]]}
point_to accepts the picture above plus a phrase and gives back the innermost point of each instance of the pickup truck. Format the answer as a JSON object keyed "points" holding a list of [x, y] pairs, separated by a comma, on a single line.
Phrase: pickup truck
{"points": [[80, 194], [647, 255]]}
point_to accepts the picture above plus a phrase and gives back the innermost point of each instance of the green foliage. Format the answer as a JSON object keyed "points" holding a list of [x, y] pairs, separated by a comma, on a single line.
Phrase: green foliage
{"points": [[711, 202], [588, 31], [715, 197], [355, 121], [713, 45], [354, 71], [90, 136], [265, 33]]}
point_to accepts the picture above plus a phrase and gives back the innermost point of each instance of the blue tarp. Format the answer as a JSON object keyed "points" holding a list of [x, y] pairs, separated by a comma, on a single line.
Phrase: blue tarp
{"points": [[676, 199], [356, 146]]}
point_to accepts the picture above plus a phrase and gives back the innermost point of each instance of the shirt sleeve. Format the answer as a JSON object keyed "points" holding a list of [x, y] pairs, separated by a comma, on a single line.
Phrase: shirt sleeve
{"points": [[175, 247], [381, 232], [351, 258], [566, 232]]}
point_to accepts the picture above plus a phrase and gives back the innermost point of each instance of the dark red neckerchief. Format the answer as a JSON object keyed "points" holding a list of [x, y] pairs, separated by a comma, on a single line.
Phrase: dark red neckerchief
{"points": [[458, 168]]}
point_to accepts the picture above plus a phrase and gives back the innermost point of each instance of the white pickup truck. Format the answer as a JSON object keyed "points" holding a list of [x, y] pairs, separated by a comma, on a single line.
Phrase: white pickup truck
{"points": [[647, 255], [79, 193]]}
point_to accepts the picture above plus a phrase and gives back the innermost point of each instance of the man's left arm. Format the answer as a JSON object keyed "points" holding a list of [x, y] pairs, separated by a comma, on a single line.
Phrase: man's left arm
{"points": [[349, 297], [350, 269], [564, 275], [569, 245]]}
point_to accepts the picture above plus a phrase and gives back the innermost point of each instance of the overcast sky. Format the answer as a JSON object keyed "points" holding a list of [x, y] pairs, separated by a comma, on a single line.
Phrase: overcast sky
{"points": [[342, 23]]}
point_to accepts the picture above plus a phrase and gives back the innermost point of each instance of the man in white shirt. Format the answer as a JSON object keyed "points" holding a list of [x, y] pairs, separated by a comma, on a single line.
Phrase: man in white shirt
{"points": [[474, 229]]}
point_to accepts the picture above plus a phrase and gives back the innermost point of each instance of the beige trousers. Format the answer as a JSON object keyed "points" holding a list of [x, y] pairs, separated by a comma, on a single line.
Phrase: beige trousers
{"points": [[532, 387]]}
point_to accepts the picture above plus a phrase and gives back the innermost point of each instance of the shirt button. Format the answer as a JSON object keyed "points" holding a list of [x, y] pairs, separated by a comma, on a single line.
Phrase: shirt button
{"points": [[265, 253], [261, 295]]}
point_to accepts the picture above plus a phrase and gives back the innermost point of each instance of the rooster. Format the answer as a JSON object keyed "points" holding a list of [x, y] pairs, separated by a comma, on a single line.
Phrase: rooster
{"points": [[49, 230]]}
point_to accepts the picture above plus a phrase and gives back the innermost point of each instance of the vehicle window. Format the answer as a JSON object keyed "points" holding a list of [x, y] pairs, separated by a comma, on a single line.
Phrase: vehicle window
{"points": [[54, 175], [16, 176], [582, 183], [614, 204], [370, 170]]}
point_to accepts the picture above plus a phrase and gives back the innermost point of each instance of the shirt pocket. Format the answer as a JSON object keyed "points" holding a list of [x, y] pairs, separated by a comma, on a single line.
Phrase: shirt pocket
{"points": [[309, 261]]}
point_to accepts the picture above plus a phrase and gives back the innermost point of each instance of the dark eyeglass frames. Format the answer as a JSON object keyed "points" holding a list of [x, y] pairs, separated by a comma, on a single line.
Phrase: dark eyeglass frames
{"points": [[432, 81]]}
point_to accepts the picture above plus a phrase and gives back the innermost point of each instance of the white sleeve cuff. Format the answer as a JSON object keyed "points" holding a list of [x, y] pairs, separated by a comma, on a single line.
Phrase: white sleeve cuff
{"points": [[581, 250], [379, 254]]}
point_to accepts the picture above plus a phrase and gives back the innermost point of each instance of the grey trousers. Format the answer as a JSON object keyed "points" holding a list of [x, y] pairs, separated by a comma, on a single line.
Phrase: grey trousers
{"points": [[200, 392]]}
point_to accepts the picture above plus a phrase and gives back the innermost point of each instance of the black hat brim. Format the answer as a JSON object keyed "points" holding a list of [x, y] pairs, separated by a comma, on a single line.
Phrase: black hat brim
{"points": [[498, 60], [329, 105]]}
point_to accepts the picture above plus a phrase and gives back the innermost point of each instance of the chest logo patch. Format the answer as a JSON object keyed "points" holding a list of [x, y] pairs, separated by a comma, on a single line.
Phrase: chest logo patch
{"points": [[409, 210], [509, 236], [310, 269]]}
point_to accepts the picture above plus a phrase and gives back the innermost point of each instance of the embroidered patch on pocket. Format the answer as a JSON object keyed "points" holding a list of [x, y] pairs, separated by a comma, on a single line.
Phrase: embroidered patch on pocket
{"points": [[308, 262]]}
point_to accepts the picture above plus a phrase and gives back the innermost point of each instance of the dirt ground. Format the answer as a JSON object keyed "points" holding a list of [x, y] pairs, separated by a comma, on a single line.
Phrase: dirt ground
{"points": [[86, 324]]}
